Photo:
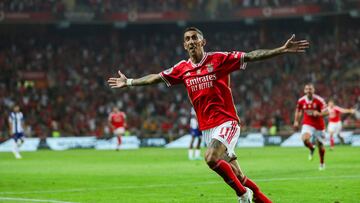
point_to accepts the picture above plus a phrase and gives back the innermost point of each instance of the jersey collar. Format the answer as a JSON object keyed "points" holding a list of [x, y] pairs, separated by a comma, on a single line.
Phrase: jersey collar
{"points": [[200, 63]]}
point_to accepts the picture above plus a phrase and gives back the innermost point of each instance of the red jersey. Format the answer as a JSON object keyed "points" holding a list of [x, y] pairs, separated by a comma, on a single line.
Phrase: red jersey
{"points": [[308, 107], [335, 113], [117, 120], [208, 85]]}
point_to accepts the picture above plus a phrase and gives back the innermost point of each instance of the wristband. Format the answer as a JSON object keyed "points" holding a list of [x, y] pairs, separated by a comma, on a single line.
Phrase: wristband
{"points": [[129, 82]]}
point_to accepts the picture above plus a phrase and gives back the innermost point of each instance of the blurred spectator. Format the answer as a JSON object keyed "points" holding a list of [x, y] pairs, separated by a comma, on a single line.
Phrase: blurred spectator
{"points": [[74, 99]]}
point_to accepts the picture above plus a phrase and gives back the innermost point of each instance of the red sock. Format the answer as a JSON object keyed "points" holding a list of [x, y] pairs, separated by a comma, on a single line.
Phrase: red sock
{"points": [[309, 145], [119, 140], [332, 143], [322, 154], [259, 197], [225, 171]]}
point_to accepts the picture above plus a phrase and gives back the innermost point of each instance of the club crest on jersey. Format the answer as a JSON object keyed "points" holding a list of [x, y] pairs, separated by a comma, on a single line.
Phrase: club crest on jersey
{"points": [[210, 67], [168, 71], [187, 74], [198, 72]]}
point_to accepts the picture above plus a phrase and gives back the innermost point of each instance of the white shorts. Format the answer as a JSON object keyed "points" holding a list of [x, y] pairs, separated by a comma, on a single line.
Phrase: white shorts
{"points": [[334, 127], [227, 133], [119, 131], [315, 134]]}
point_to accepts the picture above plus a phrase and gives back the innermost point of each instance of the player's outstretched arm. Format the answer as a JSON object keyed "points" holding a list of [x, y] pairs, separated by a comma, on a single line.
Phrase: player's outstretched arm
{"points": [[349, 111], [290, 46], [123, 81]]}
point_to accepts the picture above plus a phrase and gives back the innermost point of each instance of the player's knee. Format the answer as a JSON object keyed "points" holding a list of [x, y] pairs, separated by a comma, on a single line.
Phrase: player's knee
{"points": [[211, 159], [305, 137]]}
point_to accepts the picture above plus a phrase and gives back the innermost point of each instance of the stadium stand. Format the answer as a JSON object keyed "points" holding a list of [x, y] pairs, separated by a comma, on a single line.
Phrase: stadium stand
{"points": [[58, 75]]}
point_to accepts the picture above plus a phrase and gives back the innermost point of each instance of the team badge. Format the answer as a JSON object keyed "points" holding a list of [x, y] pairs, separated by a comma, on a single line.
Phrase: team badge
{"points": [[210, 67], [198, 72], [187, 74], [168, 71]]}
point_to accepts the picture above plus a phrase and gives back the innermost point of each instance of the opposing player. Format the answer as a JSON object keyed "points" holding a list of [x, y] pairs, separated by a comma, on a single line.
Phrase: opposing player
{"points": [[195, 134], [313, 126], [206, 76], [16, 129], [117, 122], [335, 125]]}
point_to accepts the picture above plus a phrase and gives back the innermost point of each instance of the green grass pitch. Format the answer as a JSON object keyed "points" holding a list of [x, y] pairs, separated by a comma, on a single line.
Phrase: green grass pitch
{"points": [[157, 175]]}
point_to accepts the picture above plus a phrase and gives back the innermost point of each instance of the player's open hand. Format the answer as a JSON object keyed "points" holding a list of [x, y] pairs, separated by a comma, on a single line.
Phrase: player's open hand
{"points": [[296, 126], [119, 82], [292, 46]]}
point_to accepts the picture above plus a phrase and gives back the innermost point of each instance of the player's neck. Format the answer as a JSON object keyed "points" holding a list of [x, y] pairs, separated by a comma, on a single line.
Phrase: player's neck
{"points": [[197, 57]]}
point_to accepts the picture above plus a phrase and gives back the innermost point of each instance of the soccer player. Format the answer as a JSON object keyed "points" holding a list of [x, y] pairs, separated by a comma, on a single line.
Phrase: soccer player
{"points": [[313, 126], [335, 125], [16, 129], [117, 122], [195, 133], [206, 76]]}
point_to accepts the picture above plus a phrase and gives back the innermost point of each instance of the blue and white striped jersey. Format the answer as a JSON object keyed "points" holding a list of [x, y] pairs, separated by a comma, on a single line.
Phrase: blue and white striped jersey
{"points": [[16, 119], [193, 120]]}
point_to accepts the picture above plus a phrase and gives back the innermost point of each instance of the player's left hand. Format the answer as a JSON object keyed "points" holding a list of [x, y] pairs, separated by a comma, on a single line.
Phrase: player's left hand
{"points": [[292, 46], [119, 82]]}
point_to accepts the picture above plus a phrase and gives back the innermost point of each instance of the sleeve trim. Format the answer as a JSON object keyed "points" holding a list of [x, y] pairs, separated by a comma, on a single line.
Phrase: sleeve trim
{"points": [[242, 63], [164, 79]]}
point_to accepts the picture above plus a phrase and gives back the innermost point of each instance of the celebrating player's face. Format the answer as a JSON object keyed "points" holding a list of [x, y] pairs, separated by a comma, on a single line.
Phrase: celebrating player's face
{"points": [[193, 42], [309, 90]]}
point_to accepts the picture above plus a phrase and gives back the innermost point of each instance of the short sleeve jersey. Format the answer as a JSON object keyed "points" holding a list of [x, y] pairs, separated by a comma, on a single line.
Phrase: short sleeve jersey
{"points": [[117, 120], [335, 113], [308, 107], [208, 85], [16, 119]]}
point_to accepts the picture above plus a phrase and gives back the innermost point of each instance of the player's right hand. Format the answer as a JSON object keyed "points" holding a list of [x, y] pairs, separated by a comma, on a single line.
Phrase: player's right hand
{"points": [[118, 82], [296, 126]]}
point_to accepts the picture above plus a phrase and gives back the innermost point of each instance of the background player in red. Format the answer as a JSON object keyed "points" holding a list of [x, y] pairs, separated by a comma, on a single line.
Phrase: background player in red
{"points": [[206, 76], [335, 125], [313, 126], [117, 121]]}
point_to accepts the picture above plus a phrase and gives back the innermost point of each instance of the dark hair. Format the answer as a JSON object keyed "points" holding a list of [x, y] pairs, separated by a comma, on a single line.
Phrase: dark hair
{"points": [[193, 29]]}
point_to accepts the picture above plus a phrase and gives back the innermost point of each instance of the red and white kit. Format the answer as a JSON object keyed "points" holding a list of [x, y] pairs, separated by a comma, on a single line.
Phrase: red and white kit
{"points": [[117, 121], [208, 87], [335, 119], [314, 125]]}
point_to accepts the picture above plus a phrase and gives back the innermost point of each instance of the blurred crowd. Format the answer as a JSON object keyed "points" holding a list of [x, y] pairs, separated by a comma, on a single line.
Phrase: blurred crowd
{"points": [[102, 6], [74, 98]]}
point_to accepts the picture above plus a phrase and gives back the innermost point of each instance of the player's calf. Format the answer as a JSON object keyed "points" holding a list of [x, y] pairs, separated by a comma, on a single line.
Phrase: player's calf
{"points": [[221, 167]]}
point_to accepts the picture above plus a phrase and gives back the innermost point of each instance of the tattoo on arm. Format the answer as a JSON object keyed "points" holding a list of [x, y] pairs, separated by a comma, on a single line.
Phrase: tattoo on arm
{"points": [[261, 54]]}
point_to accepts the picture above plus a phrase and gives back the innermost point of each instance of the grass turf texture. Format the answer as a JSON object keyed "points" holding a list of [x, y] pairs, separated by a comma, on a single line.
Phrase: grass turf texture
{"points": [[155, 175]]}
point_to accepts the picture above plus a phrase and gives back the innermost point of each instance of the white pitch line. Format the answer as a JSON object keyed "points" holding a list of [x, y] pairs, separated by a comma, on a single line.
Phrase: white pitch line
{"points": [[172, 185], [32, 200]]}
